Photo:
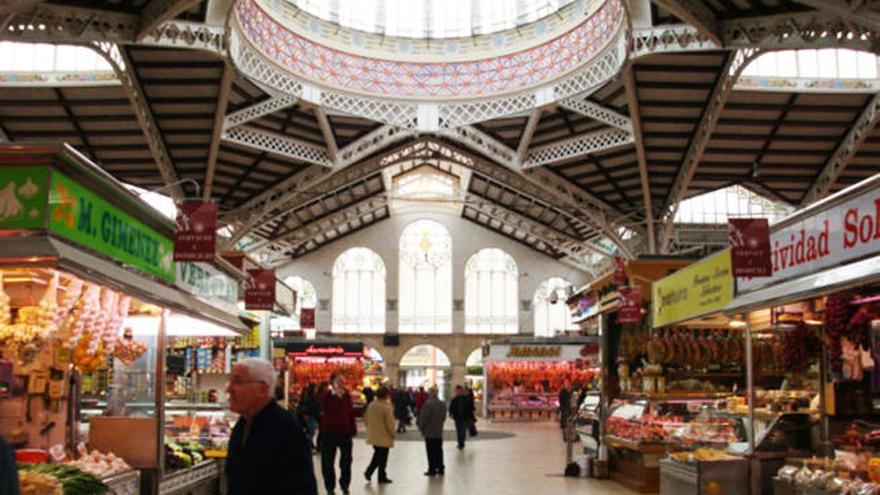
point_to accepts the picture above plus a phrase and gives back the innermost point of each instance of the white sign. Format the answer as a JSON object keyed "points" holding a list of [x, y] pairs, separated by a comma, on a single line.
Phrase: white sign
{"points": [[209, 284], [845, 232]]}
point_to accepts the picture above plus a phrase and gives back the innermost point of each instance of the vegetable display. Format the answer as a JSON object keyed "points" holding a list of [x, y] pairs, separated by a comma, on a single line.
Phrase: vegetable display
{"points": [[73, 481], [100, 465]]}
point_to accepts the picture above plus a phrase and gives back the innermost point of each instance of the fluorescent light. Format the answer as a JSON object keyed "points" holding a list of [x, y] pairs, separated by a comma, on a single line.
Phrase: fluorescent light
{"points": [[142, 325], [180, 325]]}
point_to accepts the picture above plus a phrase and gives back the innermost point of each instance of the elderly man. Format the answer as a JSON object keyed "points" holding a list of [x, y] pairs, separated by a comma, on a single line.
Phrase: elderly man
{"points": [[430, 423], [268, 451], [338, 428]]}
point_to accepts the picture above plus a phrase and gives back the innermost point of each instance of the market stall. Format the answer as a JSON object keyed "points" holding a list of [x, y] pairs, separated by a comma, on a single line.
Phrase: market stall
{"points": [[823, 298], [311, 362], [523, 377], [82, 260]]}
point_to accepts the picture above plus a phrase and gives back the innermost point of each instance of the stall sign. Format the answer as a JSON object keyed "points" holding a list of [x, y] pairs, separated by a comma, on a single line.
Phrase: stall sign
{"points": [[845, 232], [307, 318], [259, 290], [208, 283], [521, 351], [336, 349], [81, 216], [750, 247], [195, 231], [630, 312], [696, 290], [23, 197]]}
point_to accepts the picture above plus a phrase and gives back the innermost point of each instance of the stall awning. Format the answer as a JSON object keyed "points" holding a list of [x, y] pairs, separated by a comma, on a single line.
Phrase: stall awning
{"points": [[816, 285], [45, 250]]}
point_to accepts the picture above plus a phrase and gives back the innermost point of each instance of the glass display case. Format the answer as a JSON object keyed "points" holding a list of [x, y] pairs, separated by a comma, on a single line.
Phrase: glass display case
{"points": [[587, 422]]}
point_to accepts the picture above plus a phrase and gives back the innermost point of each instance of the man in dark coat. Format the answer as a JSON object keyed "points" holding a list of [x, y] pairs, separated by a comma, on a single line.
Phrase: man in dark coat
{"points": [[401, 409], [268, 451], [430, 422], [8, 471], [462, 412]]}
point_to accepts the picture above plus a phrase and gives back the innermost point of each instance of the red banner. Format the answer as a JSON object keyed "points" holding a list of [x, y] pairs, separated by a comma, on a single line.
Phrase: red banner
{"points": [[307, 318], [195, 231], [259, 290], [750, 247], [619, 277], [630, 312]]}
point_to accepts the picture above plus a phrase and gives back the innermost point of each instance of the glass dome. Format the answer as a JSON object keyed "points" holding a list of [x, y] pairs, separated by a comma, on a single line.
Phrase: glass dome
{"points": [[430, 18]]}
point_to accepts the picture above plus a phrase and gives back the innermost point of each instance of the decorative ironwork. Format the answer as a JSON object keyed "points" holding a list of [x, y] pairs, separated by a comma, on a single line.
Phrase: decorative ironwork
{"points": [[193, 35], [591, 142], [598, 112], [49, 23], [279, 144], [261, 109], [669, 39], [798, 30], [695, 13]]}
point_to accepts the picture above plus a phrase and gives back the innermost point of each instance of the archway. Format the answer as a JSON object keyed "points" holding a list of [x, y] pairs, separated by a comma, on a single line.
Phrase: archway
{"points": [[474, 376], [426, 365]]}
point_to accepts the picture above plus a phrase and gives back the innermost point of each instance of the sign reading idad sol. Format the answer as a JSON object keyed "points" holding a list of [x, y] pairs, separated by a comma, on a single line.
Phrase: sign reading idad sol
{"points": [[702, 288]]}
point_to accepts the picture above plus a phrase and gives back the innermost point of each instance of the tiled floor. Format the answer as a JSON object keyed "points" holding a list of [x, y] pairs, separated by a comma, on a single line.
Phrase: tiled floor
{"points": [[528, 461]]}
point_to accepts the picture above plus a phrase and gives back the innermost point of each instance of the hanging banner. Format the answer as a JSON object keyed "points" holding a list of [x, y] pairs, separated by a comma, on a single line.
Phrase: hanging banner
{"points": [[619, 276], [307, 318], [259, 290], [845, 232], [750, 247], [630, 312], [196, 231]]}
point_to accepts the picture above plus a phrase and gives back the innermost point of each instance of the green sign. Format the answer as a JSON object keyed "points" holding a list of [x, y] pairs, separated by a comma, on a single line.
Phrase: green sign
{"points": [[81, 216], [23, 197]]}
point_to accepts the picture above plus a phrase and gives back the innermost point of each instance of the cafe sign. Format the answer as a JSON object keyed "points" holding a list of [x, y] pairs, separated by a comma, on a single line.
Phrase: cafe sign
{"points": [[696, 290], [843, 233]]}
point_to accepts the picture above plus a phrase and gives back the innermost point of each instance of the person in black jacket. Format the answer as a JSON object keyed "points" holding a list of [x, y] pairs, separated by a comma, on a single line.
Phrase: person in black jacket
{"points": [[308, 411], [401, 409], [8, 470], [268, 450], [461, 411]]}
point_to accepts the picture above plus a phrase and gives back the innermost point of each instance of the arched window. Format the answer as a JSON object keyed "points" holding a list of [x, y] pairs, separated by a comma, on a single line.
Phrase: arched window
{"points": [[425, 278], [491, 293], [306, 297], [358, 292], [551, 313]]}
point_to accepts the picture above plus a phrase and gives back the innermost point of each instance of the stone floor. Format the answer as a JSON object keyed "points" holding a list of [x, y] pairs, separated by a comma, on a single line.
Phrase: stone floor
{"points": [[505, 459]]}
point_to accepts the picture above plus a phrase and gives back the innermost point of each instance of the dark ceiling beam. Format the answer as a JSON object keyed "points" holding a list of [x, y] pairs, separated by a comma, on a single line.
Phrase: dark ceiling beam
{"points": [[219, 114], [158, 12], [849, 145], [632, 103], [697, 14], [772, 135], [861, 12]]}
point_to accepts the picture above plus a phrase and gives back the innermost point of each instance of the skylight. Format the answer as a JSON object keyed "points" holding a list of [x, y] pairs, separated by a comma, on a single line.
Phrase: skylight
{"points": [[827, 63], [431, 18], [731, 202], [40, 57]]}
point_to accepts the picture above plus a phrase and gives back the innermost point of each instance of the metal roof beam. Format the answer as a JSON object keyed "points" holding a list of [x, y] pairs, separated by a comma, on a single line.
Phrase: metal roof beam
{"points": [[845, 151], [327, 132], [695, 13], [730, 70], [798, 30], [632, 99], [597, 112], [258, 110], [67, 24], [219, 113], [122, 64], [278, 144], [590, 142], [855, 11], [158, 11], [528, 133]]}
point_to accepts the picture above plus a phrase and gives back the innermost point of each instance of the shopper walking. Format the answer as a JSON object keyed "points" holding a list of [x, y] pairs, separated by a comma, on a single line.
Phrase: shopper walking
{"points": [[401, 409], [368, 394], [420, 398], [268, 451], [564, 404], [472, 407], [309, 412], [430, 423], [8, 470], [461, 413], [337, 430], [379, 420]]}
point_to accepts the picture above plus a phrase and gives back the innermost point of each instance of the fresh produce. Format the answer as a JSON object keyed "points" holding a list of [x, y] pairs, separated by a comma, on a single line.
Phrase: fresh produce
{"points": [[33, 483], [836, 319], [5, 309], [127, 349], [73, 481], [180, 454], [100, 465]]}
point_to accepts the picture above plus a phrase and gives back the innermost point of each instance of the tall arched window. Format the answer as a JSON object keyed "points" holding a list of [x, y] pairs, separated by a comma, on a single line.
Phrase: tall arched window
{"points": [[551, 313], [425, 278], [358, 292], [491, 281], [306, 297]]}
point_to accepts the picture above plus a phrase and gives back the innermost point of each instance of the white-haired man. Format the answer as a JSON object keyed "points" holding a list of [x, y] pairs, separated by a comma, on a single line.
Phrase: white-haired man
{"points": [[268, 450]]}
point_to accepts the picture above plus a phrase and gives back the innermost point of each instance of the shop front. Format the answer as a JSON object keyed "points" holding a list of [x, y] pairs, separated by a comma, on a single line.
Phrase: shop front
{"points": [[523, 378], [87, 303]]}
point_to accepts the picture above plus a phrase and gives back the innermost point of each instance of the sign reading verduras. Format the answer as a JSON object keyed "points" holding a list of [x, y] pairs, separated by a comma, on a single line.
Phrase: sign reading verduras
{"points": [[196, 231], [750, 247], [210, 284], [696, 290], [845, 232], [259, 290]]}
